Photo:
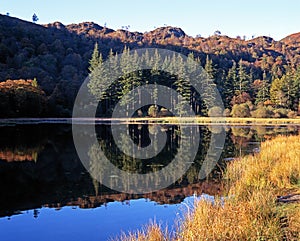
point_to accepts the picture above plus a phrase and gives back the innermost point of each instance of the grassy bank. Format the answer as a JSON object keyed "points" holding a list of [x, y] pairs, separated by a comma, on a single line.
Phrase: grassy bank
{"points": [[251, 210]]}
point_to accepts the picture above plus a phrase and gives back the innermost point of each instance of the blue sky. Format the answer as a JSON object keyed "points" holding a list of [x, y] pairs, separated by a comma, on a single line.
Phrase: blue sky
{"points": [[232, 17]]}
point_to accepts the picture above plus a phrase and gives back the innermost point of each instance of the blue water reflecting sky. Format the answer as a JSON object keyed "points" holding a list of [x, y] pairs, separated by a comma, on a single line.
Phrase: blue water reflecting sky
{"points": [[73, 223]]}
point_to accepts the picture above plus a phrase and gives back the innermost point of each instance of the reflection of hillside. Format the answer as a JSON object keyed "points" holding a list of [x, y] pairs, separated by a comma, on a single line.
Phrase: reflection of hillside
{"points": [[25, 142], [166, 196], [172, 195], [22, 143]]}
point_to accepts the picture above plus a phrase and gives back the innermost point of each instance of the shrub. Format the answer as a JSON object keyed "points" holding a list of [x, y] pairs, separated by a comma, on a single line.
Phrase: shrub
{"points": [[21, 98], [281, 112], [153, 111], [277, 115], [241, 110], [262, 112], [215, 111], [226, 112], [250, 104], [292, 114], [164, 113]]}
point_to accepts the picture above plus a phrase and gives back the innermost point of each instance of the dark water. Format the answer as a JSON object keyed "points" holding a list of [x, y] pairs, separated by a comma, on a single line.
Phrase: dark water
{"points": [[47, 194]]}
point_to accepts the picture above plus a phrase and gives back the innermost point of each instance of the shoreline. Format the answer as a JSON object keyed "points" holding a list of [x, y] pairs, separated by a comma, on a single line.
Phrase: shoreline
{"points": [[230, 121]]}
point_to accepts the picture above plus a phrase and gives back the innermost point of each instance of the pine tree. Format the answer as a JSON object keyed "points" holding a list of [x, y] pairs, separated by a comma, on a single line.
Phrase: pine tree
{"points": [[113, 65], [288, 86], [97, 82], [209, 68], [130, 79], [125, 85], [229, 85], [182, 86], [291, 83], [243, 83], [263, 90], [95, 60], [155, 74], [191, 68]]}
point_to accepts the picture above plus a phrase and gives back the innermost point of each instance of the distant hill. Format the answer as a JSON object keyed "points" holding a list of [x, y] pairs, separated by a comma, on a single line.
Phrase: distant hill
{"points": [[58, 55], [292, 40]]}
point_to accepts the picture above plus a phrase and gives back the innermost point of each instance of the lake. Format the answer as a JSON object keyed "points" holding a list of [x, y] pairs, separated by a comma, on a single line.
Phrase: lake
{"points": [[48, 194]]}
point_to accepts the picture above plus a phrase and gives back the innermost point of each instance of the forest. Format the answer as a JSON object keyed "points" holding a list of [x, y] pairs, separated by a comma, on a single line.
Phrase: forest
{"points": [[243, 93], [259, 77]]}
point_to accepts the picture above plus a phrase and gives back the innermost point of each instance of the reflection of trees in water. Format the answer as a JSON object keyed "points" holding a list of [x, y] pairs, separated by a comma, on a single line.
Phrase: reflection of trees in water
{"points": [[267, 132], [177, 137], [242, 136]]}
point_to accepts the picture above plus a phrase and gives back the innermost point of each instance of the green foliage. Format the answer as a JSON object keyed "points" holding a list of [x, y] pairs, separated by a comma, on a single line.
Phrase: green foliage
{"points": [[229, 83], [130, 78], [263, 93], [209, 68], [284, 91], [233, 89], [243, 81], [96, 59]]}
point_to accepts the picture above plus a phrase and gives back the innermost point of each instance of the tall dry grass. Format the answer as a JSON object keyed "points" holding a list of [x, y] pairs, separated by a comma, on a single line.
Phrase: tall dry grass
{"points": [[249, 211], [152, 232], [232, 220], [276, 168]]}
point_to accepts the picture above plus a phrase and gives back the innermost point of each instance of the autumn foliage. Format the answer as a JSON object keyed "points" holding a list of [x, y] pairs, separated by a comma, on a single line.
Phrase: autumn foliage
{"points": [[21, 98]]}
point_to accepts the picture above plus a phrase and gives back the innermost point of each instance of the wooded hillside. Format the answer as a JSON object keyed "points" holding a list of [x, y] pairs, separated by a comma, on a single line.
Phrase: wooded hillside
{"points": [[58, 57]]}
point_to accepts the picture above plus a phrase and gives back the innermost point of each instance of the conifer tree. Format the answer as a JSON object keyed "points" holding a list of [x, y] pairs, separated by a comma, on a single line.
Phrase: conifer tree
{"points": [[97, 83], [95, 60], [182, 85], [229, 85], [243, 83], [209, 68], [263, 93]]}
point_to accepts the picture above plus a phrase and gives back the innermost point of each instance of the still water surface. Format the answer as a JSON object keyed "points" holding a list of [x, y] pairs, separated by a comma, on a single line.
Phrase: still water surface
{"points": [[47, 194]]}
